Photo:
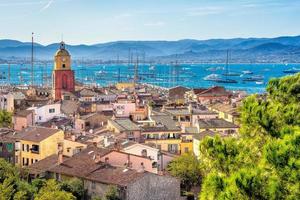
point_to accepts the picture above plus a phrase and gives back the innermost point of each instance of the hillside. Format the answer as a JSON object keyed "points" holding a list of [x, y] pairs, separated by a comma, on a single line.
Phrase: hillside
{"points": [[261, 50]]}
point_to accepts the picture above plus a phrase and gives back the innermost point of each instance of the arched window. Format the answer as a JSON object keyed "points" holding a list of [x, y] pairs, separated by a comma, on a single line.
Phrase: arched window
{"points": [[64, 81], [144, 153], [63, 65]]}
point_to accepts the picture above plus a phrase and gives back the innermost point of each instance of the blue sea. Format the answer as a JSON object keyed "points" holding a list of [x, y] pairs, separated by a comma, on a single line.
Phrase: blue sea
{"points": [[189, 75]]}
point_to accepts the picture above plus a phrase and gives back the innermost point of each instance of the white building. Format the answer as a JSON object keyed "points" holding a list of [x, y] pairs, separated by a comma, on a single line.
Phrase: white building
{"points": [[46, 112]]}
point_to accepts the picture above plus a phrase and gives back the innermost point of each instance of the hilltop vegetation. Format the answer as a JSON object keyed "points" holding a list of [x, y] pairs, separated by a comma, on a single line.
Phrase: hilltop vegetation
{"points": [[243, 50], [264, 161]]}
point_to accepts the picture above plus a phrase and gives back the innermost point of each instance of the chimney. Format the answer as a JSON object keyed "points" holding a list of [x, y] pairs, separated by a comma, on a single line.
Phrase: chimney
{"points": [[97, 158], [60, 154], [73, 138], [190, 108], [95, 144], [106, 160], [128, 163]]}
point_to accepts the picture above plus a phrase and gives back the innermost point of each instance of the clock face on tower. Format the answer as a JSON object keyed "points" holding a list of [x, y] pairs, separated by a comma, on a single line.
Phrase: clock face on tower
{"points": [[63, 59]]}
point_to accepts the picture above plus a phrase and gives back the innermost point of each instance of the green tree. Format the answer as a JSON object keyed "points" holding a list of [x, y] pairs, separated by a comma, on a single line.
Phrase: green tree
{"points": [[74, 186], [187, 169], [52, 190], [112, 194], [264, 161], [5, 118]]}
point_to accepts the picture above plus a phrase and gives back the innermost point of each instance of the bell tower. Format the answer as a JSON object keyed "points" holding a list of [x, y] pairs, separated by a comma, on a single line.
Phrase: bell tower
{"points": [[63, 75]]}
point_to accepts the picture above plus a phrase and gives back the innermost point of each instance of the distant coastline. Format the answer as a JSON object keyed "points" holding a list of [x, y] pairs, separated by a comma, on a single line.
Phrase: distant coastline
{"points": [[242, 51]]}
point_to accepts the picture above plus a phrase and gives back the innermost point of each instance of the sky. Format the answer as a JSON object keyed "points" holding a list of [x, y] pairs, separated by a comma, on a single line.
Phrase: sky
{"points": [[97, 21]]}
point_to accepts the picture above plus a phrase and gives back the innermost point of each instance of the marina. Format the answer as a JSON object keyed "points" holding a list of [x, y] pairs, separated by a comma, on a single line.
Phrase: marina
{"points": [[252, 79]]}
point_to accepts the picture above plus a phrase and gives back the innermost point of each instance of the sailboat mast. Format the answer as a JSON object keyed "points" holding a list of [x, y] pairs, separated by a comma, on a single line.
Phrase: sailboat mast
{"points": [[32, 73]]}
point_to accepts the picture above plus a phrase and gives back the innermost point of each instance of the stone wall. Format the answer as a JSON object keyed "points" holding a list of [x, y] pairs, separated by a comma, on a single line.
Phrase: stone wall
{"points": [[154, 187]]}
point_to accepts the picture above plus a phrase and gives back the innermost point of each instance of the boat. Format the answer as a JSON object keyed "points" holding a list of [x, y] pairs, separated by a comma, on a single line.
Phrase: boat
{"points": [[259, 82], [257, 78], [212, 69], [247, 72], [232, 74], [212, 77], [226, 74], [291, 71], [226, 81], [152, 68]]}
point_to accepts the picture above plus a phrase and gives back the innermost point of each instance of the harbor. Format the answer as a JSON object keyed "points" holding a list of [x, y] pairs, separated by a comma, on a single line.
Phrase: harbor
{"points": [[248, 77]]}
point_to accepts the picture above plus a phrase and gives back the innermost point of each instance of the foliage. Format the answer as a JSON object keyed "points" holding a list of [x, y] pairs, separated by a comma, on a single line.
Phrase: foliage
{"points": [[12, 187], [5, 118], [74, 186], [264, 162], [52, 190], [187, 168], [112, 194]]}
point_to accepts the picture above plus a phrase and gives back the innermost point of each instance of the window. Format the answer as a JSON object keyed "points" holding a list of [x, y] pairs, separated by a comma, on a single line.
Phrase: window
{"points": [[23, 161], [36, 160], [23, 147], [31, 160], [9, 147], [144, 153], [40, 117], [186, 149], [93, 185], [35, 148], [27, 147], [154, 165], [173, 148], [1, 146], [64, 66], [52, 110]]}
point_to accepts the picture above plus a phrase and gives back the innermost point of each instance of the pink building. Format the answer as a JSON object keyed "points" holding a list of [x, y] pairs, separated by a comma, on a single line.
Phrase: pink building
{"points": [[123, 109], [23, 119], [117, 158]]}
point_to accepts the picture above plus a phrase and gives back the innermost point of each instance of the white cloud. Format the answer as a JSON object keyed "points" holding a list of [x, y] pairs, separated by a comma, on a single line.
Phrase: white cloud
{"points": [[49, 3]]}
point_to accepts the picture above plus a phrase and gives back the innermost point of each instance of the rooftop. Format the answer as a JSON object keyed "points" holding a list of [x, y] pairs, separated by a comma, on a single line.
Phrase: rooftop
{"points": [[36, 134], [215, 123], [125, 125]]}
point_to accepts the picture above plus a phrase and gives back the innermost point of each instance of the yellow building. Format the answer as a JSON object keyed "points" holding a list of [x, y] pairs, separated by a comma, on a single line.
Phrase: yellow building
{"points": [[124, 86], [37, 143], [72, 147], [227, 112], [186, 144]]}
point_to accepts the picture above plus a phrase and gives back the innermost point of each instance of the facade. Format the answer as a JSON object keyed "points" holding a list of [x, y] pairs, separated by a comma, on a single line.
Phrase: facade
{"points": [[228, 112], [99, 176], [157, 157], [37, 143], [124, 109], [126, 127], [177, 95], [7, 145], [71, 147], [63, 76], [217, 125], [7, 102], [46, 112], [91, 121], [23, 119]]}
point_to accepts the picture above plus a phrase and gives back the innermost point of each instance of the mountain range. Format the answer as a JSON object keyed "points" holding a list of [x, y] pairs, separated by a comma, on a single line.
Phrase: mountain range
{"points": [[242, 50]]}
